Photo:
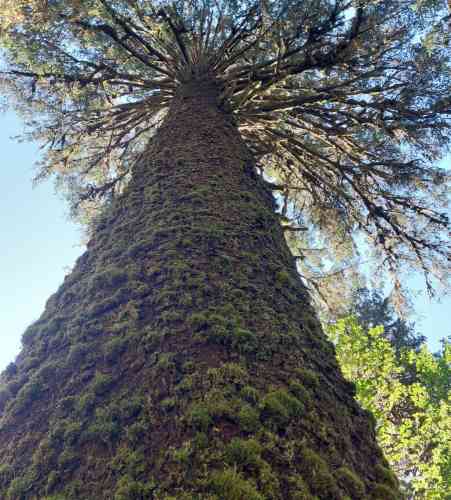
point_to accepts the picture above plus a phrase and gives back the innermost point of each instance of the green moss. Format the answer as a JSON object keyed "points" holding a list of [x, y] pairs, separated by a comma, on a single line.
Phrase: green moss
{"points": [[72, 433], [131, 408], [384, 492], [219, 406], [230, 485], [350, 482], [165, 361], [200, 441], [300, 392], [77, 354], [114, 348], [86, 403], [19, 487], [185, 386], [106, 428], [171, 316], [183, 455], [129, 462], [249, 419], [136, 432], [234, 373], [52, 480], [279, 407], [129, 489], [68, 460], [168, 404], [55, 497], [103, 306], [188, 367], [316, 472], [250, 394], [5, 396], [244, 341], [6, 475], [101, 383], [385, 475], [282, 278], [30, 392], [298, 489], [44, 455], [200, 417], [109, 278], [244, 453], [308, 377]]}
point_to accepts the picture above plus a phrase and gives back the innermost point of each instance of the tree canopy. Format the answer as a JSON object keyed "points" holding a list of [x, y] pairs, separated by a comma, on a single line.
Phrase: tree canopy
{"points": [[345, 104], [412, 414]]}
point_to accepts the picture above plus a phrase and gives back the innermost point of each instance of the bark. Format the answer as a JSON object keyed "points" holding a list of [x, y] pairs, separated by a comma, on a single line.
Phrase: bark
{"points": [[181, 358]]}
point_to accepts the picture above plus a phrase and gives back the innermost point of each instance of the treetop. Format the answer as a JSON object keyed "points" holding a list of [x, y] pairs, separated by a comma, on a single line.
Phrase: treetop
{"points": [[345, 104]]}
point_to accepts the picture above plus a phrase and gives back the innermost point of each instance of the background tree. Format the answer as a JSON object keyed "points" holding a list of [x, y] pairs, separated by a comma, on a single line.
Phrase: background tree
{"points": [[372, 309], [413, 420], [182, 357]]}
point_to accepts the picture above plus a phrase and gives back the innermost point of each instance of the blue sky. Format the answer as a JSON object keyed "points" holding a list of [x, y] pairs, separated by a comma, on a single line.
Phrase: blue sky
{"points": [[39, 245]]}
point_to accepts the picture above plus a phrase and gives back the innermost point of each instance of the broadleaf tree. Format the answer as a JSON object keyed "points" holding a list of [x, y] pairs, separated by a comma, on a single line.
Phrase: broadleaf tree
{"points": [[412, 413], [182, 357]]}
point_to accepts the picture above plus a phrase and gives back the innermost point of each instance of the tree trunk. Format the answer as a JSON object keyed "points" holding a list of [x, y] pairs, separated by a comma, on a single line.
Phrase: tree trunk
{"points": [[181, 358]]}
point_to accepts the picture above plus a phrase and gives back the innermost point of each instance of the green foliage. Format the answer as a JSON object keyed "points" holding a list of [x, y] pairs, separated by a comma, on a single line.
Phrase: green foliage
{"points": [[372, 309], [407, 390]]}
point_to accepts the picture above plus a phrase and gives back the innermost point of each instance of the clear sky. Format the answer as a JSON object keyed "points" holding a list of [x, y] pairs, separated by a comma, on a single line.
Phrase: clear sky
{"points": [[39, 245]]}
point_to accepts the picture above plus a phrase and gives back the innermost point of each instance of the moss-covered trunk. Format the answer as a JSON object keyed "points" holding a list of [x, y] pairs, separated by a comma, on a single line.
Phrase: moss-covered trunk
{"points": [[181, 358]]}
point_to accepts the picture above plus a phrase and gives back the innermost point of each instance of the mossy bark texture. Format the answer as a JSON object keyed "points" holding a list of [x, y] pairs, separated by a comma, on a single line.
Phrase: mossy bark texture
{"points": [[181, 358]]}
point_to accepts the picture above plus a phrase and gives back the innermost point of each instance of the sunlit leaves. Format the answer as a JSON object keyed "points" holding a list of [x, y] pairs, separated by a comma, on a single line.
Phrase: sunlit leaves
{"points": [[413, 418]]}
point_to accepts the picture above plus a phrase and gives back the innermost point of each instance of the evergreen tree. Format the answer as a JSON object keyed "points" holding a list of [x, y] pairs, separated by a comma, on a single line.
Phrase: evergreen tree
{"points": [[372, 309], [182, 358]]}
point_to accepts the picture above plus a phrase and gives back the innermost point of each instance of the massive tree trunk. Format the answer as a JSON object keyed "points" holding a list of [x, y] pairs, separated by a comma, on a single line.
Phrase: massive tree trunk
{"points": [[181, 358]]}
